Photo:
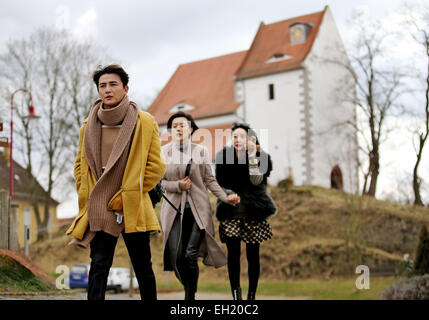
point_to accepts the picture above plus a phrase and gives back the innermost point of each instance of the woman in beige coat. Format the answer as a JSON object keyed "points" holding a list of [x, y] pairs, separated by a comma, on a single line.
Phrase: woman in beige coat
{"points": [[190, 233]]}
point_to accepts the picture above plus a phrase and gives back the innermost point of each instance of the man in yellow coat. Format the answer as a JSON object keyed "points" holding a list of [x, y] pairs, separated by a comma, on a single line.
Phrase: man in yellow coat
{"points": [[119, 161]]}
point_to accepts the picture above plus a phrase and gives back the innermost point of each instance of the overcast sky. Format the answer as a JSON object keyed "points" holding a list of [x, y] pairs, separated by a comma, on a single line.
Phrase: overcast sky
{"points": [[151, 38]]}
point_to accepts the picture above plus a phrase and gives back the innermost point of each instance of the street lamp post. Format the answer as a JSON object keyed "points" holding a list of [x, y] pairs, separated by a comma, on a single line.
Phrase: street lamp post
{"points": [[31, 115]]}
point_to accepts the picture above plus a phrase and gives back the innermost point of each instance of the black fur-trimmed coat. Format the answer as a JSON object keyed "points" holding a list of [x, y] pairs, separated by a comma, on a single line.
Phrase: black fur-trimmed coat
{"points": [[235, 176]]}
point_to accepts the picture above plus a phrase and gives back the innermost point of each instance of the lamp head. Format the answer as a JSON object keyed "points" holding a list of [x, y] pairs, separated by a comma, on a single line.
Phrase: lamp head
{"points": [[31, 113]]}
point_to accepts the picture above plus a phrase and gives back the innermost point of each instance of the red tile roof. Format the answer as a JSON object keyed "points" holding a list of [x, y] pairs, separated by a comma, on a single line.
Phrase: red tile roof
{"points": [[274, 38], [24, 188], [207, 85]]}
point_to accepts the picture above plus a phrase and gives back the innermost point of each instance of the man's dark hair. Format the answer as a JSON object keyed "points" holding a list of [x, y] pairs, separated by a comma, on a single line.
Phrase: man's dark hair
{"points": [[113, 68]]}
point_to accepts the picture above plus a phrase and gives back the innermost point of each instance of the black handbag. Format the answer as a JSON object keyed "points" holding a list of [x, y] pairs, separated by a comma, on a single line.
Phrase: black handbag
{"points": [[156, 194]]}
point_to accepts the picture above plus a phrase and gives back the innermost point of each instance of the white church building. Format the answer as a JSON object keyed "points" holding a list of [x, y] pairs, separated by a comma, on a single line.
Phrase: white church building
{"points": [[284, 87]]}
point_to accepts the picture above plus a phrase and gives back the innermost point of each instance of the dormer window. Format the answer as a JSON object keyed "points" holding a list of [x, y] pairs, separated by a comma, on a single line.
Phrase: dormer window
{"points": [[299, 32], [278, 57], [181, 107]]}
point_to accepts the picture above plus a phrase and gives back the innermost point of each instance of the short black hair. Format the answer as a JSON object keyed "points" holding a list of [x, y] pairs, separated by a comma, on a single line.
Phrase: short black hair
{"points": [[180, 114], [112, 68], [245, 126], [242, 125]]}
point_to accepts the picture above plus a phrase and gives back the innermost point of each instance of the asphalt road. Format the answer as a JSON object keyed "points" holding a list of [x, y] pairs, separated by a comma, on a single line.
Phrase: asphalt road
{"points": [[178, 295]]}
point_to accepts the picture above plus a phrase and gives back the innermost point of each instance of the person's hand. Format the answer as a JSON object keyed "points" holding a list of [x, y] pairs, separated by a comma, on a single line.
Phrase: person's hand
{"points": [[251, 148], [233, 199], [185, 183]]}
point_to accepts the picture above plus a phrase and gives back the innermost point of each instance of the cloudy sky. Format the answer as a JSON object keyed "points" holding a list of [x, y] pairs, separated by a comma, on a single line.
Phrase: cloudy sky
{"points": [[151, 38]]}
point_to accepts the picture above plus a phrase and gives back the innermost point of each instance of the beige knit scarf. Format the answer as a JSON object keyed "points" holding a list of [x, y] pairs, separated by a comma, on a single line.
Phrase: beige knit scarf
{"points": [[109, 181]]}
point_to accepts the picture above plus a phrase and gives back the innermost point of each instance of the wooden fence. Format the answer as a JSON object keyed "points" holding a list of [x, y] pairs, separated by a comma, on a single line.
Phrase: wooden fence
{"points": [[8, 220]]}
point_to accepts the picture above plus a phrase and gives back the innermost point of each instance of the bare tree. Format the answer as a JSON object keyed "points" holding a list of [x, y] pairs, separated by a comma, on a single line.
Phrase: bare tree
{"points": [[374, 87], [417, 23], [84, 58], [57, 68]]}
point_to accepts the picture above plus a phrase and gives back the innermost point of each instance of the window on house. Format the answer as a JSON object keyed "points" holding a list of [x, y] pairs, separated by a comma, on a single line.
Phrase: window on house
{"points": [[271, 91], [298, 32], [181, 107], [278, 57]]}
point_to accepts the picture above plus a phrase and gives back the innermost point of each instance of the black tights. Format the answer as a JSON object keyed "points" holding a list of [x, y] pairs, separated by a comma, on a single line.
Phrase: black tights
{"points": [[252, 253]]}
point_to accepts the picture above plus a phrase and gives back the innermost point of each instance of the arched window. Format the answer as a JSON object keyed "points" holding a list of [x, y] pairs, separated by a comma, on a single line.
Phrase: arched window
{"points": [[298, 32], [336, 178]]}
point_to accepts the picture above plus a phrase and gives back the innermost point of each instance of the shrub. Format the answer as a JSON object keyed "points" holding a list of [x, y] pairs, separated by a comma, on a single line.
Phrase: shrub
{"points": [[415, 288]]}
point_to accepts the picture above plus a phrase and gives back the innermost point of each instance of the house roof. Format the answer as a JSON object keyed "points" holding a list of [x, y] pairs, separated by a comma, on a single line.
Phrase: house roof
{"points": [[21, 184], [274, 38], [207, 85]]}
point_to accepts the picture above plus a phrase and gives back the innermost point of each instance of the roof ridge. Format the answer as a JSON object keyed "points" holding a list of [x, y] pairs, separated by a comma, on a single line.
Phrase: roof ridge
{"points": [[322, 15], [258, 32], [213, 93], [167, 87], [299, 17], [164, 90], [39, 190], [253, 65]]}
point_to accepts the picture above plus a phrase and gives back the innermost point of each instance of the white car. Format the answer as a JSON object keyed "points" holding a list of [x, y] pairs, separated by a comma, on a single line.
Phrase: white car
{"points": [[119, 279]]}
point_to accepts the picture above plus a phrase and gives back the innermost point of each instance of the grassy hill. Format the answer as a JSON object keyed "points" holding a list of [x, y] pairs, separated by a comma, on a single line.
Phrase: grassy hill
{"points": [[14, 277], [318, 234]]}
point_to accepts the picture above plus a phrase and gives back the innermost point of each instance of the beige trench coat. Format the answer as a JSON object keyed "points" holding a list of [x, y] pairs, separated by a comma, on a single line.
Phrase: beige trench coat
{"points": [[202, 179]]}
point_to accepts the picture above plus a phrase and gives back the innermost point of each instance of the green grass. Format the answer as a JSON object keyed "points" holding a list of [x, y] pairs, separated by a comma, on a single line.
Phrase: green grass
{"points": [[14, 277], [339, 289]]}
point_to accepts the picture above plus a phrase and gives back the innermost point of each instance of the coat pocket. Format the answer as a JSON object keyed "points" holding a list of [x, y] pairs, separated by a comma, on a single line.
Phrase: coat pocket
{"points": [[116, 203]]}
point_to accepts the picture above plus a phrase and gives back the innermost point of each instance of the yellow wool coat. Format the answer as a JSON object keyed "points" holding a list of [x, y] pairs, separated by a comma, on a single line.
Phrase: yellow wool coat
{"points": [[144, 169]]}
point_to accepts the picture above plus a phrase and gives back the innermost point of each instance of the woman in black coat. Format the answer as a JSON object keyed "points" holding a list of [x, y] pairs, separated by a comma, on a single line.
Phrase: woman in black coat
{"points": [[243, 168]]}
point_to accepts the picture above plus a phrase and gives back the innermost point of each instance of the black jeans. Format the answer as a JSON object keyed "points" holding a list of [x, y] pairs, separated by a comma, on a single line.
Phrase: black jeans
{"points": [[102, 251]]}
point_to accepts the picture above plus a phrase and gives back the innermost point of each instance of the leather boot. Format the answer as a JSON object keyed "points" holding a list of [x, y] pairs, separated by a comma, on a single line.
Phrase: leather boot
{"points": [[191, 285], [236, 294], [191, 257], [251, 295]]}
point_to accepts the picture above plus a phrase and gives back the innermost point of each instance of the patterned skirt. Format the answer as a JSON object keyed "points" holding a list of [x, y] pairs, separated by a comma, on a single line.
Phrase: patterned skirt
{"points": [[250, 231]]}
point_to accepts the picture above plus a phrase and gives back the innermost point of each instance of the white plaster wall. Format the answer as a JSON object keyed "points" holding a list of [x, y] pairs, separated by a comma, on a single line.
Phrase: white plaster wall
{"points": [[277, 121], [332, 144]]}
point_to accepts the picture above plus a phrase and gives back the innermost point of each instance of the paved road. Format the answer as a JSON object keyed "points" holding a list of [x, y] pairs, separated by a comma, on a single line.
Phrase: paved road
{"points": [[81, 295]]}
